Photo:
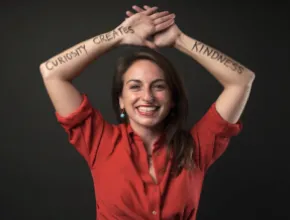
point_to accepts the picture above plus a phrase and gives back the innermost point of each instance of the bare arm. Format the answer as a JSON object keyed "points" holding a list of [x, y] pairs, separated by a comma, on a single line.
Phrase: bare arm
{"points": [[69, 63], [59, 71], [236, 79]]}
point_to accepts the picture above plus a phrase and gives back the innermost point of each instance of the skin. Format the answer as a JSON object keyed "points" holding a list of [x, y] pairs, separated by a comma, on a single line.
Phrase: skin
{"points": [[150, 89], [59, 71], [164, 38], [236, 79]]}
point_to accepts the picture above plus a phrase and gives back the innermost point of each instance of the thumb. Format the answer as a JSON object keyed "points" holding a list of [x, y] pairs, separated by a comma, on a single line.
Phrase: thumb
{"points": [[150, 44]]}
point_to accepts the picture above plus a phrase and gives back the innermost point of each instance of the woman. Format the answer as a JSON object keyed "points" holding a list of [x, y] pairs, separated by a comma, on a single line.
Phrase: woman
{"points": [[147, 166]]}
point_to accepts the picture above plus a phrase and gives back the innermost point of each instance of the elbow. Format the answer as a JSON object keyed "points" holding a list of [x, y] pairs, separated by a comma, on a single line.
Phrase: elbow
{"points": [[250, 78], [46, 72], [43, 70], [247, 79]]}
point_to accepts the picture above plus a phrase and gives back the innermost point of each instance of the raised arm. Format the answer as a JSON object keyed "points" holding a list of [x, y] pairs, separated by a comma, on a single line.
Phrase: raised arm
{"points": [[236, 79], [59, 71]]}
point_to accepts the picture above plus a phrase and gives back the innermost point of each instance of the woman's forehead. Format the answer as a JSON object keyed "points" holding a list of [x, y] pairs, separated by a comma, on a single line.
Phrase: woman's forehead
{"points": [[144, 70]]}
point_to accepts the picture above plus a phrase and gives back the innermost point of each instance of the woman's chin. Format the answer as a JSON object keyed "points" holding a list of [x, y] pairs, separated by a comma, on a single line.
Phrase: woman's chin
{"points": [[146, 122]]}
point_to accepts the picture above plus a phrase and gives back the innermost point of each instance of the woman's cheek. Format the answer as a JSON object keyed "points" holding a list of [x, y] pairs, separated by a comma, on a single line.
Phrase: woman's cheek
{"points": [[161, 96]]}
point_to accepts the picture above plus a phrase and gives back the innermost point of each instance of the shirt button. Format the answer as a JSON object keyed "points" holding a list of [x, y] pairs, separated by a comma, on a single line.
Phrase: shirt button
{"points": [[162, 171], [154, 212], [157, 153]]}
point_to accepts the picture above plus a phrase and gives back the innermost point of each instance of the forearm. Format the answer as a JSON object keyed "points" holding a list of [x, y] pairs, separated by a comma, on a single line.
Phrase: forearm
{"points": [[226, 70], [69, 63]]}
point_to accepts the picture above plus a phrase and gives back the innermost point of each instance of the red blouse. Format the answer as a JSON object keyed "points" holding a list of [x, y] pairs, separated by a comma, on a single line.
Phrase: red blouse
{"points": [[117, 159]]}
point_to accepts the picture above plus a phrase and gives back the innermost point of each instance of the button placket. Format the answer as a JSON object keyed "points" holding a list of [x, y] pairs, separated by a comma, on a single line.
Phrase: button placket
{"points": [[157, 153], [162, 171], [155, 206], [154, 199]]}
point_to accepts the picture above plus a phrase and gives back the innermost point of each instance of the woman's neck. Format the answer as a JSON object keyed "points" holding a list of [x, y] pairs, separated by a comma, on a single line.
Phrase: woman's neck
{"points": [[147, 134]]}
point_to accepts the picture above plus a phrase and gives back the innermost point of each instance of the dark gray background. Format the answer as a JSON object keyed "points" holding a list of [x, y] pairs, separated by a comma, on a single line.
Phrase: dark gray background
{"points": [[43, 177]]}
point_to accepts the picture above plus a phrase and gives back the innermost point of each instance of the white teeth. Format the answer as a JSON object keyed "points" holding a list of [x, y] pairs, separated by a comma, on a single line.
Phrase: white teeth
{"points": [[147, 109]]}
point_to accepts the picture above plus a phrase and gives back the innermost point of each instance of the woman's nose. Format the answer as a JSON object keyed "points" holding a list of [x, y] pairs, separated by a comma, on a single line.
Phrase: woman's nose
{"points": [[148, 96]]}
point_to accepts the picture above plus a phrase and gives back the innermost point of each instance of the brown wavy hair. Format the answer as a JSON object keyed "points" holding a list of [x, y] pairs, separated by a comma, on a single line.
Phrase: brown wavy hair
{"points": [[178, 140]]}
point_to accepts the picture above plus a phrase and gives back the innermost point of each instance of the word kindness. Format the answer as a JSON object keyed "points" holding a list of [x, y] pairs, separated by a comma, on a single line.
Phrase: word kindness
{"points": [[113, 34], [50, 64], [216, 55]]}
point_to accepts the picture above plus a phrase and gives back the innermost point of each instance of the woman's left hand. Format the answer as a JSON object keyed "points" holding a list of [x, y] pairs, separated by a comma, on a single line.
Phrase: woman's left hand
{"points": [[165, 38]]}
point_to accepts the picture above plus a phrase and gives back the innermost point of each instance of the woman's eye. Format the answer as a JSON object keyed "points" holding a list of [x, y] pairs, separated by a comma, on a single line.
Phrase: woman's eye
{"points": [[160, 86], [134, 87]]}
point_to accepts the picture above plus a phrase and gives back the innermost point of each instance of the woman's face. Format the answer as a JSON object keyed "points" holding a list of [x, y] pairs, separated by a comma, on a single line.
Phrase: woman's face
{"points": [[145, 96]]}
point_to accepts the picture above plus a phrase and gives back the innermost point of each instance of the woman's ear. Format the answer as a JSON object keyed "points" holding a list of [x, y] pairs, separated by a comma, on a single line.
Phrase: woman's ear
{"points": [[121, 102]]}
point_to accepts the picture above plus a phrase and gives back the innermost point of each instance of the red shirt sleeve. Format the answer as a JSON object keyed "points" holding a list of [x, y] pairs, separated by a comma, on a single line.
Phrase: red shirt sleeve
{"points": [[87, 130], [212, 135]]}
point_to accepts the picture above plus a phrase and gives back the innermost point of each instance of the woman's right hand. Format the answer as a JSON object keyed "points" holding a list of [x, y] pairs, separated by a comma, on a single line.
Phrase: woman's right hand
{"points": [[144, 24]]}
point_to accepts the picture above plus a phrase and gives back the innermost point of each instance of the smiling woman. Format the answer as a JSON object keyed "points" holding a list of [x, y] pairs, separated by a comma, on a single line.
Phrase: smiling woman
{"points": [[147, 87], [148, 166]]}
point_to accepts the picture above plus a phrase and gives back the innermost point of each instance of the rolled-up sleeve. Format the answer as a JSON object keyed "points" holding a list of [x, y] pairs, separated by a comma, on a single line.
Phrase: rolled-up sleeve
{"points": [[77, 117], [86, 130], [212, 135]]}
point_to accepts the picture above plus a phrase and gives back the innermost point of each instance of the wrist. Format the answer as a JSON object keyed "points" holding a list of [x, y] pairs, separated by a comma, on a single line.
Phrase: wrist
{"points": [[184, 44], [121, 32], [114, 37], [179, 40]]}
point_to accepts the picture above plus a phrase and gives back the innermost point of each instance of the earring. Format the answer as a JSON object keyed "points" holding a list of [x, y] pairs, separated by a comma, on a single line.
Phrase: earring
{"points": [[122, 115]]}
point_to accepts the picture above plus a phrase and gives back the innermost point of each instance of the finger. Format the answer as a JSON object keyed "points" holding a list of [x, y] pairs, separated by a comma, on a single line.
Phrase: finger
{"points": [[146, 7], [137, 8], [164, 19], [159, 14], [129, 13], [150, 11], [164, 25]]}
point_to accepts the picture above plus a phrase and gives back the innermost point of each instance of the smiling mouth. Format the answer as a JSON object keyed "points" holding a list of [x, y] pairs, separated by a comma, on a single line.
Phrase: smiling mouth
{"points": [[147, 111]]}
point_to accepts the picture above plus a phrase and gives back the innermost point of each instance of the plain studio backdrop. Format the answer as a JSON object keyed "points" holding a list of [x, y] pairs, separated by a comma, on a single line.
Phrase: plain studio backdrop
{"points": [[42, 175]]}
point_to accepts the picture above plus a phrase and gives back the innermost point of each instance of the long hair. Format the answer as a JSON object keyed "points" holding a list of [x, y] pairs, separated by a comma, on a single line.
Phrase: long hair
{"points": [[178, 140]]}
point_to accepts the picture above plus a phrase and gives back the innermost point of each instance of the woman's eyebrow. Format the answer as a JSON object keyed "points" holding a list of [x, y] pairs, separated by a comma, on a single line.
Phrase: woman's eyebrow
{"points": [[139, 81]]}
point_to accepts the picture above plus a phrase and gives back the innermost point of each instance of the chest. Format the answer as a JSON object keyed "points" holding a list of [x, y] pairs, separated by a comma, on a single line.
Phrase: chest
{"points": [[151, 170], [125, 180]]}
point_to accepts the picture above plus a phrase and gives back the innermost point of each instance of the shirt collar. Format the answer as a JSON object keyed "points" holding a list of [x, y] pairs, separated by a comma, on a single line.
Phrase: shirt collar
{"points": [[133, 136]]}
